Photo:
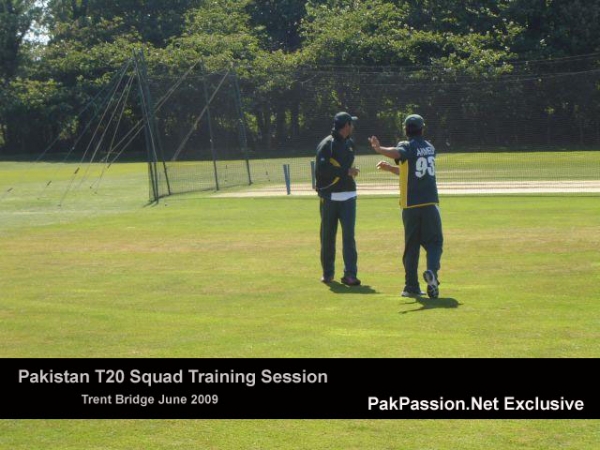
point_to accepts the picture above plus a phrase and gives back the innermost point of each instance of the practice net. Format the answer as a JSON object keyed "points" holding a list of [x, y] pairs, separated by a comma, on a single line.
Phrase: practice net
{"points": [[536, 129]]}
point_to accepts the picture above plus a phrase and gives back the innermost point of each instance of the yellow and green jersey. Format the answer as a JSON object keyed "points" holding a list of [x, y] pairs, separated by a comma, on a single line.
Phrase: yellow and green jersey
{"points": [[418, 185]]}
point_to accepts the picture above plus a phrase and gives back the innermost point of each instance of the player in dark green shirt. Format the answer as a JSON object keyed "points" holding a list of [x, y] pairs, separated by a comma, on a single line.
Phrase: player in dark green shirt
{"points": [[419, 200], [335, 172]]}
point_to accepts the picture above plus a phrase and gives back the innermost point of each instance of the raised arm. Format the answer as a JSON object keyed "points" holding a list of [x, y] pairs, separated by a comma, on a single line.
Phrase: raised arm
{"points": [[390, 152]]}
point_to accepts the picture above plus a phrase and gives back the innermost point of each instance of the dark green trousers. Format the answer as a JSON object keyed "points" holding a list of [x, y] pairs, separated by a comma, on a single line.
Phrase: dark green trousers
{"points": [[333, 212], [422, 228]]}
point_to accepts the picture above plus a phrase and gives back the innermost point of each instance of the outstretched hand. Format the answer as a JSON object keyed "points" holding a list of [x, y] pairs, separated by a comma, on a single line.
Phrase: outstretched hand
{"points": [[375, 145]]}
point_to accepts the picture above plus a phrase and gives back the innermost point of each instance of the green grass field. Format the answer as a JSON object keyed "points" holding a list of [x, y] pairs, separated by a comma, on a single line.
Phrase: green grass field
{"points": [[451, 167], [107, 275]]}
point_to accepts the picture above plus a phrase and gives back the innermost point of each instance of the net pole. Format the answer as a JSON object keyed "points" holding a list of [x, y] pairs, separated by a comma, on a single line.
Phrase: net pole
{"points": [[157, 147], [210, 131], [152, 171], [242, 124], [286, 176]]}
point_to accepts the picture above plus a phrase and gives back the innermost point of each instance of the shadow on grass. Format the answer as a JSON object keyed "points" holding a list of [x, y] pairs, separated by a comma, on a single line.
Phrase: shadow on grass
{"points": [[340, 288], [432, 303]]}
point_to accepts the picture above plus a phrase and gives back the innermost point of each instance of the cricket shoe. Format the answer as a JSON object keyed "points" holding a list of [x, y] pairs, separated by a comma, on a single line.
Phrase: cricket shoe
{"points": [[327, 279], [412, 293], [351, 281], [433, 290]]}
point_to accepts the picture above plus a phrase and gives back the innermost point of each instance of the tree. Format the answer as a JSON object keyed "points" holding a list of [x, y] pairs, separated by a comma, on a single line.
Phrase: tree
{"points": [[277, 23], [556, 28], [407, 32], [155, 21], [83, 53], [221, 33], [279, 48], [16, 18]]}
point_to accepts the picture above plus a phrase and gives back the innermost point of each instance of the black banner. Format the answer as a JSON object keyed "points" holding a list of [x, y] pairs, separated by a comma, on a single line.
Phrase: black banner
{"points": [[299, 389]]}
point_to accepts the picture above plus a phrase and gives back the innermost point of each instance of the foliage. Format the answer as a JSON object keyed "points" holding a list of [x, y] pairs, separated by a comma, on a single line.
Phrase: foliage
{"points": [[155, 21], [219, 33], [271, 43], [556, 28], [466, 35], [16, 18], [277, 23]]}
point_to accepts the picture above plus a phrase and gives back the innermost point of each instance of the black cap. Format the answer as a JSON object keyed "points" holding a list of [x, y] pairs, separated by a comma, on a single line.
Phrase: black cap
{"points": [[342, 118], [415, 121]]}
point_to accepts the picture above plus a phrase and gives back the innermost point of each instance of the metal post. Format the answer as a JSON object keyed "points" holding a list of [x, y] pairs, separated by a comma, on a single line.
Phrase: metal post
{"points": [[242, 124], [156, 144], [286, 176], [210, 132], [152, 134], [152, 173]]}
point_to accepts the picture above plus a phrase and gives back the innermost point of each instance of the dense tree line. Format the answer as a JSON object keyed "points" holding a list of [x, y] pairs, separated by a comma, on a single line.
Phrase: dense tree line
{"points": [[275, 46]]}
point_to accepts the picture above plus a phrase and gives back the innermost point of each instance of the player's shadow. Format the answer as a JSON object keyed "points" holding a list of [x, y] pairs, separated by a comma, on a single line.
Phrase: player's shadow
{"points": [[432, 303], [340, 288]]}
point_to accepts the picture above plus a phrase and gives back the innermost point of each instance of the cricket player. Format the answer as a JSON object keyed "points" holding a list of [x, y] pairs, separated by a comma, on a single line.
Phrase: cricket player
{"points": [[415, 166], [335, 172]]}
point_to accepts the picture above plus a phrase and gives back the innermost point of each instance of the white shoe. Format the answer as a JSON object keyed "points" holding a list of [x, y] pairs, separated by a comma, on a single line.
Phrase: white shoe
{"points": [[433, 290], [411, 294]]}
